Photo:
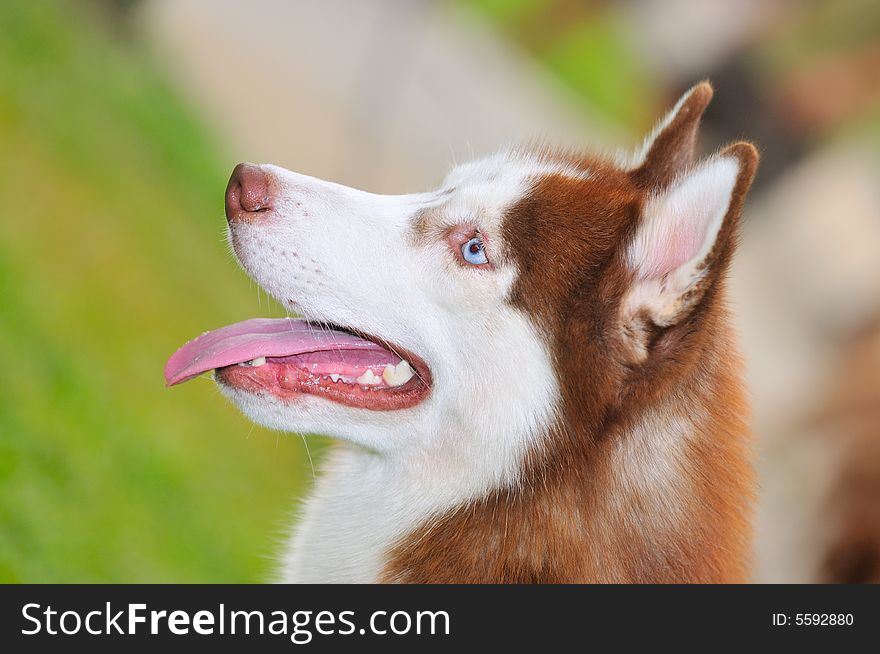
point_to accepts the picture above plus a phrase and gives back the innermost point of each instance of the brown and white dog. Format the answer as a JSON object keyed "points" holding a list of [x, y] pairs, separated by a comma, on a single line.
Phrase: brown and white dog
{"points": [[529, 371]]}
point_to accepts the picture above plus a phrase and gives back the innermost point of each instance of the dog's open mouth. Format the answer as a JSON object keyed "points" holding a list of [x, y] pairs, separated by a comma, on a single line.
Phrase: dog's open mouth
{"points": [[288, 357]]}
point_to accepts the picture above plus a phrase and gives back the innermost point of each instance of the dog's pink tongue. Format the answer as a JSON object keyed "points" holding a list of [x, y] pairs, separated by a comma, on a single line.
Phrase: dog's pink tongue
{"points": [[258, 337]]}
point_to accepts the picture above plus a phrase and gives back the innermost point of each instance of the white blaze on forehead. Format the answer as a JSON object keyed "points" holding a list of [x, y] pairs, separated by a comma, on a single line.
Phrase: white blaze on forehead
{"points": [[485, 188], [510, 165]]}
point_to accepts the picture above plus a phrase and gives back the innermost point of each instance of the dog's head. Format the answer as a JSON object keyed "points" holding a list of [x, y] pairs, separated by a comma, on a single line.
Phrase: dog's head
{"points": [[456, 323]]}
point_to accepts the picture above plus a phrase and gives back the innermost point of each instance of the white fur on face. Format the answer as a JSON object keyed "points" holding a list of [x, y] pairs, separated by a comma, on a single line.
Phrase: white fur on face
{"points": [[344, 256]]}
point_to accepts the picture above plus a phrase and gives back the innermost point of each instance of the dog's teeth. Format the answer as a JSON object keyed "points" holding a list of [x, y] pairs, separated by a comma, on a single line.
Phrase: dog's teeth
{"points": [[259, 361], [369, 379], [397, 375], [403, 373]]}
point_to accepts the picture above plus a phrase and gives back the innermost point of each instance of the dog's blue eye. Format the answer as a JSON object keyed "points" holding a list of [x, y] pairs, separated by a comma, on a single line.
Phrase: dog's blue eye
{"points": [[473, 252]]}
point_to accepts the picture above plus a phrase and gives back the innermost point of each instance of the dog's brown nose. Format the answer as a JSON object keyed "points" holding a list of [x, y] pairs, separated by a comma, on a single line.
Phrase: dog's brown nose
{"points": [[248, 194]]}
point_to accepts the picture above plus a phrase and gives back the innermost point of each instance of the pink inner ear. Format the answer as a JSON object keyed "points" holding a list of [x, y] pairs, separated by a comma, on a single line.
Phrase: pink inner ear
{"points": [[679, 224], [672, 246]]}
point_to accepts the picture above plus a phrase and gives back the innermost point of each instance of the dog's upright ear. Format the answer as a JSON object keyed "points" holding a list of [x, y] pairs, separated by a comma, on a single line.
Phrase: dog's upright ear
{"points": [[669, 149], [687, 227]]}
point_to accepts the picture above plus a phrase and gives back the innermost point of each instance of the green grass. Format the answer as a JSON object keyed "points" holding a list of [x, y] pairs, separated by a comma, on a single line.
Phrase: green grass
{"points": [[110, 257]]}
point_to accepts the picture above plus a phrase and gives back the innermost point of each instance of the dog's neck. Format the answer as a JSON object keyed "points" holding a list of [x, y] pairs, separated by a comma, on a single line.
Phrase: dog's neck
{"points": [[662, 496], [659, 495]]}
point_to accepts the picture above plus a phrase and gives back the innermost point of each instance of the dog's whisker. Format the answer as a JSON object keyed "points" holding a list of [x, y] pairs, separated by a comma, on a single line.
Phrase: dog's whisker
{"points": [[308, 454]]}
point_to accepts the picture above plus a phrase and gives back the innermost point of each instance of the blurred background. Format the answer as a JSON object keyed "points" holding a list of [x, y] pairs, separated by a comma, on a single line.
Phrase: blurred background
{"points": [[120, 121]]}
